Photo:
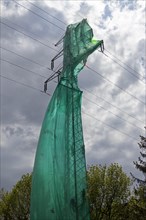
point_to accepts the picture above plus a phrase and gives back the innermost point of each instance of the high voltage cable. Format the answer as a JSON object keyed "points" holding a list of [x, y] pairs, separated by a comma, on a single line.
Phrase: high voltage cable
{"points": [[115, 84], [123, 62], [38, 15], [85, 97], [23, 68], [120, 88], [109, 126], [45, 77], [57, 67], [86, 66], [19, 26], [55, 82], [29, 36], [112, 105], [45, 67], [33, 34], [55, 49], [64, 30], [46, 12], [89, 100], [124, 68], [114, 128], [23, 84]]}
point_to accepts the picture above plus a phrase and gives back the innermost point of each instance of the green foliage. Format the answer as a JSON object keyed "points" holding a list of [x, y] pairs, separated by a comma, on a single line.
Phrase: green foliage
{"points": [[141, 163], [15, 205], [108, 192], [109, 189], [138, 202]]}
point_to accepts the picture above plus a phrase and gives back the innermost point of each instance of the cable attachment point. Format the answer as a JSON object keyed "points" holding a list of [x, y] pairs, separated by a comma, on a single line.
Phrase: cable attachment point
{"points": [[55, 58], [53, 76], [60, 41], [102, 46]]}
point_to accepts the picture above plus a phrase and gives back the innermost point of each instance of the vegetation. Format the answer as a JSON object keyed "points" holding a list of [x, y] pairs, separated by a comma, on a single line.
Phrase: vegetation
{"points": [[108, 191], [15, 205], [141, 163], [138, 201]]}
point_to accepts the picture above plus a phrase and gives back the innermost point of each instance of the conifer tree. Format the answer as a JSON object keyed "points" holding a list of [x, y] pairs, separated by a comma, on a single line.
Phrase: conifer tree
{"points": [[141, 163]]}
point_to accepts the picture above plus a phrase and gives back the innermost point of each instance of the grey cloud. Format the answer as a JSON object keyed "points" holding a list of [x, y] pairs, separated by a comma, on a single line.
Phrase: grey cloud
{"points": [[23, 109], [17, 155], [10, 131], [85, 8], [107, 13], [106, 152], [131, 5]]}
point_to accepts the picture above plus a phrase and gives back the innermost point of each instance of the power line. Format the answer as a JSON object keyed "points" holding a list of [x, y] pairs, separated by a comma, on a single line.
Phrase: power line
{"points": [[64, 30], [46, 12], [23, 84], [105, 49], [32, 33], [84, 97], [124, 90], [109, 126], [123, 62], [111, 113], [45, 67], [19, 26], [38, 15], [29, 36], [55, 49], [45, 77], [86, 90], [112, 105], [31, 87], [115, 84], [23, 68], [124, 68]]}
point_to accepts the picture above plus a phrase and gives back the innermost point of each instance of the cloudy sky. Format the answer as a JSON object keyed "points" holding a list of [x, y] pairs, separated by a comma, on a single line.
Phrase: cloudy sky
{"points": [[113, 107]]}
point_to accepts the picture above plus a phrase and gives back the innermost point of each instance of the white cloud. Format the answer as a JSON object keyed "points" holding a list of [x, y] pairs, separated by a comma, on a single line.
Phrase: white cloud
{"points": [[122, 29]]}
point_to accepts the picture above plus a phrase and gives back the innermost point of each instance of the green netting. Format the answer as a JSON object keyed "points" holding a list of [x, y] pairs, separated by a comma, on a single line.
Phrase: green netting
{"points": [[59, 175]]}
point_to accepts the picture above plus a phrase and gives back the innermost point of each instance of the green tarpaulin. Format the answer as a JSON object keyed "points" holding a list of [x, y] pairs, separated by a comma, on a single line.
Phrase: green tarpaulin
{"points": [[59, 175]]}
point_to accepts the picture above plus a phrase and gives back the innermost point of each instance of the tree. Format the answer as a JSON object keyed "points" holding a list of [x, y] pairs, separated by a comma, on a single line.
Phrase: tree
{"points": [[108, 191], [137, 204], [138, 201], [141, 164], [15, 205]]}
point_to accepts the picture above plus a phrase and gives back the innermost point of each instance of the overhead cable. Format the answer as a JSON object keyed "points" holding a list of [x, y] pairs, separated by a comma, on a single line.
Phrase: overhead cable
{"points": [[109, 125], [29, 36], [23, 68], [20, 83], [46, 12], [19, 55], [38, 15], [124, 68], [89, 100], [115, 84], [111, 104], [123, 63]]}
